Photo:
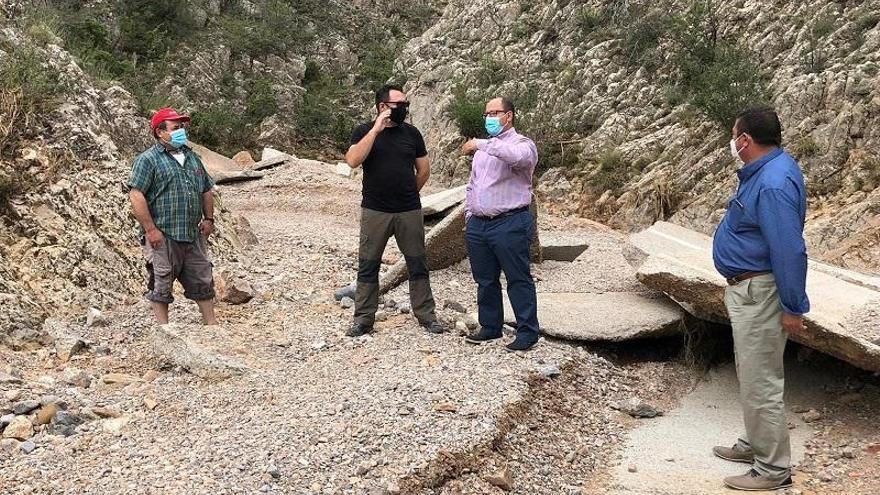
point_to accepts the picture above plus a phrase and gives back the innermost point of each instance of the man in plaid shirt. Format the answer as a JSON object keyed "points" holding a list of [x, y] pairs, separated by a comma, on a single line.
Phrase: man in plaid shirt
{"points": [[171, 196]]}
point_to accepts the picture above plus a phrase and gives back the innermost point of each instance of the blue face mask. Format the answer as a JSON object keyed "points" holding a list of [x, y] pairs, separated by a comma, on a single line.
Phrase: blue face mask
{"points": [[493, 126], [178, 138]]}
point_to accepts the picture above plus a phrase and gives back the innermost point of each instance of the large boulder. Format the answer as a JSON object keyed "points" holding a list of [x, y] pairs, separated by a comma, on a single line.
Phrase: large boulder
{"points": [[169, 341], [844, 320], [606, 316]]}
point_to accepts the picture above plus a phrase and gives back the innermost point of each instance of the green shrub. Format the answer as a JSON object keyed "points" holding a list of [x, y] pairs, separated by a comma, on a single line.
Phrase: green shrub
{"points": [[716, 76], [222, 127], [376, 66], [467, 112], [614, 171], [589, 19], [868, 21], [805, 147], [151, 29], [491, 72], [261, 101], [319, 122], [730, 83], [555, 152], [26, 73], [824, 25], [641, 36]]}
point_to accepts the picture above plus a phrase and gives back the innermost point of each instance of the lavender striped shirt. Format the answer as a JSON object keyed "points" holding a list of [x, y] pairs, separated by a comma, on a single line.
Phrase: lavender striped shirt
{"points": [[501, 174]]}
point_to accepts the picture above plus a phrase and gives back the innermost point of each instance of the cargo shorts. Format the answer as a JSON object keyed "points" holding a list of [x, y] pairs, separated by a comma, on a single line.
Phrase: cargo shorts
{"points": [[187, 262]]}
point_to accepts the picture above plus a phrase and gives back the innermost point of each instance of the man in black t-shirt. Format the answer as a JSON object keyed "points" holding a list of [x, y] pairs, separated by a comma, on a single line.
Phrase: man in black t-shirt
{"points": [[395, 163]]}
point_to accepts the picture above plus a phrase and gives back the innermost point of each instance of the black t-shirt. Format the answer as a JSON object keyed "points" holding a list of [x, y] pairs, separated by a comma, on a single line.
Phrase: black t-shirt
{"points": [[389, 170]]}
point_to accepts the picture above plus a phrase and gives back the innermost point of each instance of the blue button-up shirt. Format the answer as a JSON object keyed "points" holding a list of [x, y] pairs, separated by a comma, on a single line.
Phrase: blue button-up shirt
{"points": [[763, 229]]}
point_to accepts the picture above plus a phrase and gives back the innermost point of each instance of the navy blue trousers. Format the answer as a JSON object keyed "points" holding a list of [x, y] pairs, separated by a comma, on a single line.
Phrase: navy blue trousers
{"points": [[502, 244]]}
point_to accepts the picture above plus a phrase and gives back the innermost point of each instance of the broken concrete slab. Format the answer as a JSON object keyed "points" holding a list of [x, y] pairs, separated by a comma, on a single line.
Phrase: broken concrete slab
{"points": [[271, 162], [562, 248], [222, 169], [444, 244], [269, 153], [168, 341], [606, 317], [844, 321], [439, 202]]}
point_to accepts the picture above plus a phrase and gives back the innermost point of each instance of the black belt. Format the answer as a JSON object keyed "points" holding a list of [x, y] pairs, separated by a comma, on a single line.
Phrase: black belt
{"points": [[504, 214], [744, 276]]}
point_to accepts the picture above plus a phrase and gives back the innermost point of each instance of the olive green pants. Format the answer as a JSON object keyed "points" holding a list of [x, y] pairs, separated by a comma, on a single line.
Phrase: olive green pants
{"points": [[759, 343], [408, 229]]}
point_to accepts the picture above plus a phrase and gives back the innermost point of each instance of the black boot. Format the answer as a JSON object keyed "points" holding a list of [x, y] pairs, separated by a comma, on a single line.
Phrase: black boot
{"points": [[483, 336], [358, 329], [434, 326], [523, 341]]}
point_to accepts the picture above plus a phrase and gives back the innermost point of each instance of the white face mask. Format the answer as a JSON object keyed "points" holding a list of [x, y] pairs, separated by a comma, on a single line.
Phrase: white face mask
{"points": [[734, 151]]}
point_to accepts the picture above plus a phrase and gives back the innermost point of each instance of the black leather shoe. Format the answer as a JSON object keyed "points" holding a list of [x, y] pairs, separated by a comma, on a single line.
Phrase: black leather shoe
{"points": [[358, 329], [483, 336], [522, 342], [434, 327]]}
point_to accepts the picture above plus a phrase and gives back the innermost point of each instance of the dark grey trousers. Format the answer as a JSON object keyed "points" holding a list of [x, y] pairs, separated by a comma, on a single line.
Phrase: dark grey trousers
{"points": [[408, 229]]}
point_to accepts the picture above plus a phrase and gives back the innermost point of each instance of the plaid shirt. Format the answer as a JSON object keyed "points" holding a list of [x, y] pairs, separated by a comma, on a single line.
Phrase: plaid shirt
{"points": [[173, 191]]}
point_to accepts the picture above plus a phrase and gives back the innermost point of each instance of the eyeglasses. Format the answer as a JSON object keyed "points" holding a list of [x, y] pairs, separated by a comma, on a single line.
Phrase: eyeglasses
{"points": [[495, 113], [398, 104]]}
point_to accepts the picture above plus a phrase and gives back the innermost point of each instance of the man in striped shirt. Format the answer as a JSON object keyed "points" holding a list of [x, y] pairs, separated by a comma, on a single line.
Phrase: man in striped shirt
{"points": [[500, 227]]}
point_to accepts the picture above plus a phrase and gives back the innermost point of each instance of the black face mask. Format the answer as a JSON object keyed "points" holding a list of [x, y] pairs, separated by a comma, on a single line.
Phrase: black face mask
{"points": [[398, 115]]}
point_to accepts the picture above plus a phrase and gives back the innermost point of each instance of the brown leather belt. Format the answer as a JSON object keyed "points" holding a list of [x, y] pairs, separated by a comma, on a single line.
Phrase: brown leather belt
{"points": [[744, 276]]}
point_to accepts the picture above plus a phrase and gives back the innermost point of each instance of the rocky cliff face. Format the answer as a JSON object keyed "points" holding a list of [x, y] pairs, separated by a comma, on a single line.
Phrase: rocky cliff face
{"points": [[634, 153], [67, 239]]}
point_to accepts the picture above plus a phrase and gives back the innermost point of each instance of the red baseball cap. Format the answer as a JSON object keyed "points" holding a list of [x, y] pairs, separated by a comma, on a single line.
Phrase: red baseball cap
{"points": [[164, 114]]}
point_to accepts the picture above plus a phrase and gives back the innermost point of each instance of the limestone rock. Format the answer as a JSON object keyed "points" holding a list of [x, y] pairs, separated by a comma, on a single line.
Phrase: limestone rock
{"points": [[343, 169], [244, 159], [243, 231], [76, 377], [64, 423], [95, 318], [9, 446], [25, 406], [232, 288], [270, 153], [347, 291], [67, 340], [636, 408], [168, 340], [502, 479], [19, 428]]}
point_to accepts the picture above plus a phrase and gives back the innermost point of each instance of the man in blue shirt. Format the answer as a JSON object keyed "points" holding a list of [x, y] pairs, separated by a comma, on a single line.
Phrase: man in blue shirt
{"points": [[759, 248]]}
